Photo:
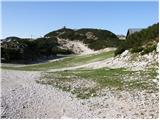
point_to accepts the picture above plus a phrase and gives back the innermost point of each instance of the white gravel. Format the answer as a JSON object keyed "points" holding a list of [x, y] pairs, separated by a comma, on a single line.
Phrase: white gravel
{"points": [[127, 60], [22, 97]]}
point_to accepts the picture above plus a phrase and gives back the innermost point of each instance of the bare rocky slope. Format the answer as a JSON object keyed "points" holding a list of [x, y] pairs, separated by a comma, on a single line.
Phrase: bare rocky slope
{"points": [[76, 47], [128, 60]]}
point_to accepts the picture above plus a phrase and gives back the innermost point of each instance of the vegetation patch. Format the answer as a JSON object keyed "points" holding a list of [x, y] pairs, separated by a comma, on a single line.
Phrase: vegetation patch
{"points": [[144, 41], [18, 49], [90, 83]]}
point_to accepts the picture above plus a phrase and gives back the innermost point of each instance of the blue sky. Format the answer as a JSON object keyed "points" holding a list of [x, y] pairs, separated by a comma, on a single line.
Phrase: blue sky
{"points": [[24, 19]]}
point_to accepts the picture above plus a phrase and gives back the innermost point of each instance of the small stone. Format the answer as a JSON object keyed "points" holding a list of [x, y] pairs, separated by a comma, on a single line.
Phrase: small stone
{"points": [[118, 115], [24, 106], [92, 95], [121, 107], [83, 103], [13, 90], [155, 80], [90, 109], [99, 112]]}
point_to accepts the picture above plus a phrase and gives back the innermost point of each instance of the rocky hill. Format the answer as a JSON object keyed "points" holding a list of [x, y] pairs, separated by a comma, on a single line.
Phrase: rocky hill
{"points": [[95, 39]]}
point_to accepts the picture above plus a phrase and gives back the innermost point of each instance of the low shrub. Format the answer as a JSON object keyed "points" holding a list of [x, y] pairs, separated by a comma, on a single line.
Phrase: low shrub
{"points": [[135, 50], [119, 51], [148, 49]]}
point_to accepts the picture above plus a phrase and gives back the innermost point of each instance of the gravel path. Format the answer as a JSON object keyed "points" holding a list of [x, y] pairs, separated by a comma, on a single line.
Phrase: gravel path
{"points": [[22, 97]]}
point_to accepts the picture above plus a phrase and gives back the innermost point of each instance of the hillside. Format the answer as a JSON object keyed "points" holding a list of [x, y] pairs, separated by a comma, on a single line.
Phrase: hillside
{"points": [[95, 39], [27, 50], [62, 41], [142, 42]]}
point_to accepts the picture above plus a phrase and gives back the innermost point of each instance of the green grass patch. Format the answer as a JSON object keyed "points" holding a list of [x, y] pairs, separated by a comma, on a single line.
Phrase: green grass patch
{"points": [[19, 68], [66, 62], [114, 79]]}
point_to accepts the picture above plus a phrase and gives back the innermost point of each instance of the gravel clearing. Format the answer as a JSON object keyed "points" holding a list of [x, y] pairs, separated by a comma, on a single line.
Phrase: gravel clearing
{"points": [[22, 97]]}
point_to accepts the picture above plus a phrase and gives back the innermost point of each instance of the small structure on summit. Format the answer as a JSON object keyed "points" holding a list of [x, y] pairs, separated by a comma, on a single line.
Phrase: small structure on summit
{"points": [[64, 27], [133, 30]]}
